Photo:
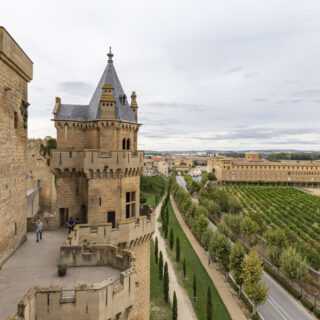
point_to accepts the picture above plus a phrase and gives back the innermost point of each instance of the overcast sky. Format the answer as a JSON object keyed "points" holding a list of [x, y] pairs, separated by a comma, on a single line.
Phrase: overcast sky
{"points": [[231, 74]]}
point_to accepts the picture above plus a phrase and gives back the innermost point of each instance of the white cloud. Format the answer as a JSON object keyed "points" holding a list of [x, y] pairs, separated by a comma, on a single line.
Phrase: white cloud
{"points": [[199, 67]]}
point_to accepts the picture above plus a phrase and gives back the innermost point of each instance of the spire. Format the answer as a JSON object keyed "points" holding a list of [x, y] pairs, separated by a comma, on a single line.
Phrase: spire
{"points": [[110, 56]]}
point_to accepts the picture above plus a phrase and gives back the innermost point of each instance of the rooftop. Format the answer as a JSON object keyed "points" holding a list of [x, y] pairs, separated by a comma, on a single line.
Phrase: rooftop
{"points": [[92, 111], [34, 264]]}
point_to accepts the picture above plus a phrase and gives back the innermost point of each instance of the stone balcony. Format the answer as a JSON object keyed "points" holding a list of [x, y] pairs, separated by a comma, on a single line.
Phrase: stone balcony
{"points": [[92, 161], [131, 233]]}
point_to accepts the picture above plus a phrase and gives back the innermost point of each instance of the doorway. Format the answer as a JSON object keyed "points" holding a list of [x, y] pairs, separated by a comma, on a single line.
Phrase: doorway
{"points": [[84, 214], [64, 216], [111, 218]]}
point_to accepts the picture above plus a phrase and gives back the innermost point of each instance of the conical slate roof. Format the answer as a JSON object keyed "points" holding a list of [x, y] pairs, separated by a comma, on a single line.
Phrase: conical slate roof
{"points": [[91, 111]]}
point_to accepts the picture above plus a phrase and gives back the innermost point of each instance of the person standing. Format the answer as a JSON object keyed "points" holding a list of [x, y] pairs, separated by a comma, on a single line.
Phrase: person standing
{"points": [[39, 229]]}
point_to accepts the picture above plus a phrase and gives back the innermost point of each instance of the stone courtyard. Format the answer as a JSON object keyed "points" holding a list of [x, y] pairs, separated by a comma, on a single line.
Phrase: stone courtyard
{"points": [[35, 264]]}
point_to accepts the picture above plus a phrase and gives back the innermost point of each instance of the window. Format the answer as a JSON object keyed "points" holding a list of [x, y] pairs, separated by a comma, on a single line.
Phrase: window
{"points": [[124, 144], [15, 119], [128, 144], [130, 204]]}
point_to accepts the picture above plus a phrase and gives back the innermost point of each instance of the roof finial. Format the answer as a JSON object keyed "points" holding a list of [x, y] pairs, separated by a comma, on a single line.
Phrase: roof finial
{"points": [[110, 56]]}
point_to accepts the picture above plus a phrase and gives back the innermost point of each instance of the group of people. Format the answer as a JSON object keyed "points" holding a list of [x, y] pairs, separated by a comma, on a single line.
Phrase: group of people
{"points": [[39, 227]]}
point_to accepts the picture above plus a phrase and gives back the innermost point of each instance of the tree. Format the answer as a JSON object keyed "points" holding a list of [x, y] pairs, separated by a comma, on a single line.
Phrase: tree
{"points": [[249, 228], [177, 249], [160, 266], [293, 265], [220, 248], [194, 287], [184, 267], [166, 221], [237, 256], [174, 307], [211, 176], [209, 304], [206, 238], [276, 242], [234, 205], [255, 289], [171, 239], [166, 283], [233, 222], [156, 249]]}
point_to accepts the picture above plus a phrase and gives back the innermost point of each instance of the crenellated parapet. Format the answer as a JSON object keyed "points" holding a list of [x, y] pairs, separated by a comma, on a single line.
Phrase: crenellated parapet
{"points": [[130, 233], [98, 164], [114, 298]]}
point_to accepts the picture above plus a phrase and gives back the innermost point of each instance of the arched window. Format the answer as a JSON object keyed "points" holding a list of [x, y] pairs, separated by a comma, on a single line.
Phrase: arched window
{"points": [[123, 144], [15, 119], [128, 144]]}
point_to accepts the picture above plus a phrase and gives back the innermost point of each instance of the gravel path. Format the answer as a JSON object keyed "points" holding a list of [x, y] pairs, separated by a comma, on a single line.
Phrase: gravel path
{"points": [[185, 308]]}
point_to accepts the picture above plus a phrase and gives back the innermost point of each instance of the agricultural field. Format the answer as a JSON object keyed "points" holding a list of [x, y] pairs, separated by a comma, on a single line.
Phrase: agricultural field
{"points": [[293, 210]]}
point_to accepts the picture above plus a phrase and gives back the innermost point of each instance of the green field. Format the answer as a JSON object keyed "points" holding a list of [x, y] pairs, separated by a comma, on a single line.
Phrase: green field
{"points": [[194, 266], [160, 310], [290, 209]]}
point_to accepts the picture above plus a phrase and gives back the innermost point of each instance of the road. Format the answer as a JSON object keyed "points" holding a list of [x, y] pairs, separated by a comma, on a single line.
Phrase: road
{"points": [[280, 305], [185, 308]]}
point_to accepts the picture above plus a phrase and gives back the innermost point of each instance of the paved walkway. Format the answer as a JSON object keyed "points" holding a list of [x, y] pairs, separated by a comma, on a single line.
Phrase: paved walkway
{"points": [[185, 308], [35, 264], [225, 291]]}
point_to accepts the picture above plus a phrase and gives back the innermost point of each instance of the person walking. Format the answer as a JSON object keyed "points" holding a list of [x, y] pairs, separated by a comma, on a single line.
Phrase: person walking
{"points": [[39, 229]]}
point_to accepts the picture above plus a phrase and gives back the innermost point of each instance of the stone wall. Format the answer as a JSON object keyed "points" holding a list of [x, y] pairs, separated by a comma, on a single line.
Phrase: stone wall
{"points": [[15, 73], [289, 172], [110, 299], [142, 261], [39, 173]]}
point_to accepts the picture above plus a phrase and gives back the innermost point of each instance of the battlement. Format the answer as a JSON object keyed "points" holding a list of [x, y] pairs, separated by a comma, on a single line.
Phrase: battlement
{"points": [[92, 162], [96, 255], [12, 54], [112, 298], [130, 233]]}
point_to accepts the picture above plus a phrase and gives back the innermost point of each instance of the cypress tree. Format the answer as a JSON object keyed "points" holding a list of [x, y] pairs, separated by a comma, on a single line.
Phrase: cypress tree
{"points": [[177, 249], [166, 222], [184, 266], [194, 287], [209, 304], [160, 266], [156, 250], [166, 283], [171, 239], [174, 307]]}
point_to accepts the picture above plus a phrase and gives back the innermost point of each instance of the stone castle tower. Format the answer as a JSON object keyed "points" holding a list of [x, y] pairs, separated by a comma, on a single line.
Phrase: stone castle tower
{"points": [[97, 168], [16, 70]]}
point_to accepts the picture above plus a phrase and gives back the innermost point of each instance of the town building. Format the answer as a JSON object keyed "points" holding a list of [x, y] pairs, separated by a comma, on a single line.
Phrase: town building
{"points": [[254, 169], [15, 73], [155, 166]]}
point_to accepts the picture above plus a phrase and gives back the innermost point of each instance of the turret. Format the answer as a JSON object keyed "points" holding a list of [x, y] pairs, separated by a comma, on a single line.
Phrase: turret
{"points": [[134, 105], [107, 102], [57, 106]]}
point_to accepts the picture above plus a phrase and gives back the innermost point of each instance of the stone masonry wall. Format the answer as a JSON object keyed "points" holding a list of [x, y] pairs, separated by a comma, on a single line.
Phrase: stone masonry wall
{"points": [[13, 141], [142, 256], [109, 195]]}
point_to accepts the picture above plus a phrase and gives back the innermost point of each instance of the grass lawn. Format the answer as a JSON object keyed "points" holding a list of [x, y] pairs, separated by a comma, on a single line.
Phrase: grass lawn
{"points": [[160, 310], [151, 199], [194, 266]]}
